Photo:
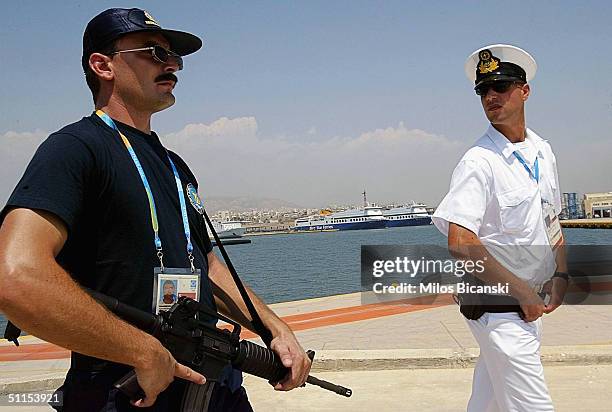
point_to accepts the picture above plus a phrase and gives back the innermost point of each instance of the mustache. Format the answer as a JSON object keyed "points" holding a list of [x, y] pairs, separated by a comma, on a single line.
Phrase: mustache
{"points": [[165, 77]]}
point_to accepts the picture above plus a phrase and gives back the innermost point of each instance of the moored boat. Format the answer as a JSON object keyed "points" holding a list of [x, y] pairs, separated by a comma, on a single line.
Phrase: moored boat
{"points": [[368, 217], [411, 215], [227, 230]]}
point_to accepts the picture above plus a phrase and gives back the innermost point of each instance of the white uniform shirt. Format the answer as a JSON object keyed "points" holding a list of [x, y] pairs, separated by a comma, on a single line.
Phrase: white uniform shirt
{"points": [[492, 194]]}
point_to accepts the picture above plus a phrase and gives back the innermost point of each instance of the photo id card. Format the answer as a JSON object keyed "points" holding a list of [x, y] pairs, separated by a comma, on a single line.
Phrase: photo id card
{"points": [[553, 226], [172, 283]]}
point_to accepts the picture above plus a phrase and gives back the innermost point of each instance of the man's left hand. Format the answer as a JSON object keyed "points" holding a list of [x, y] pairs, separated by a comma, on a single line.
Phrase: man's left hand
{"points": [[293, 356], [556, 288]]}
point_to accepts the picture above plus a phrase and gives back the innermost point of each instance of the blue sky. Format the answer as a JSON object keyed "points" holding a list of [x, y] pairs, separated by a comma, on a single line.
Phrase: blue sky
{"points": [[317, 100]]}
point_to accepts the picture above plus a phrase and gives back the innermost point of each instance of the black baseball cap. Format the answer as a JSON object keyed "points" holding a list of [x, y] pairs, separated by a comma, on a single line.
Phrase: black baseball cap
{"points": [[113, 23]]}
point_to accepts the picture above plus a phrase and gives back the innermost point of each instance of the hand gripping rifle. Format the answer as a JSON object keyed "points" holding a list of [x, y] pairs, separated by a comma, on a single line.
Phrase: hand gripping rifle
{"points": [[199, 345], [202, 346]]}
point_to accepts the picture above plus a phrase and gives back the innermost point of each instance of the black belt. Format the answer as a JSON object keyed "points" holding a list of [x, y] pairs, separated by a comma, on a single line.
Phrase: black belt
{"points": [[503, 303], [500, 308], [474, 306]]}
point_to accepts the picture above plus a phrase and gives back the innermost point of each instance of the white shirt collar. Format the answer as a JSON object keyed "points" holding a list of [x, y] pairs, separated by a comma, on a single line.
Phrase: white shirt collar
{"points": [[506, 147]]}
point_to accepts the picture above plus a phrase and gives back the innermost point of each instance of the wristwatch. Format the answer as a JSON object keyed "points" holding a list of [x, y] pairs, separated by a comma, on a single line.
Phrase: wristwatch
{"points": [[562, 275]]}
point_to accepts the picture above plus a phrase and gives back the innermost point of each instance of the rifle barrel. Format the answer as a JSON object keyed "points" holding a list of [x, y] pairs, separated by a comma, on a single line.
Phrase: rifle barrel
{"points": [[340, 390]]}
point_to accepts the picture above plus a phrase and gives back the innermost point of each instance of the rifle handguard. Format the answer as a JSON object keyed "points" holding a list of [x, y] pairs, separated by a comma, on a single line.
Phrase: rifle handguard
{"points": [[259, 361]]}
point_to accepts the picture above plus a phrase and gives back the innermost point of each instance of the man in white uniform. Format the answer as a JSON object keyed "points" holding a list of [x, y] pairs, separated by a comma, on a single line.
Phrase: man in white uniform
{"points": [[502, 207]]}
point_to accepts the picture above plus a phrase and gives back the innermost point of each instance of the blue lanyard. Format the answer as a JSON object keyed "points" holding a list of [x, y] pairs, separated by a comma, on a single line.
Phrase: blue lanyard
{"points": [[535, 174], [181, 195], [145, 182]]}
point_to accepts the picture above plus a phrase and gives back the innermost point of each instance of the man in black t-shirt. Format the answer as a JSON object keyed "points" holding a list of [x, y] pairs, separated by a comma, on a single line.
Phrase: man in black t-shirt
{"points": [[102, 205]]}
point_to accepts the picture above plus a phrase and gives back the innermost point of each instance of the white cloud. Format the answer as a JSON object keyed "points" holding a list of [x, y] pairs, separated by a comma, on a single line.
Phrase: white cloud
{"points": [[392, 164], [230, 158], [242, 126]]}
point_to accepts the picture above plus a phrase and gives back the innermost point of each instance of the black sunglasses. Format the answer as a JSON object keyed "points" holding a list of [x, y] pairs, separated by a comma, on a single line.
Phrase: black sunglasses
{"points": [[498, 87], [159, 54]]}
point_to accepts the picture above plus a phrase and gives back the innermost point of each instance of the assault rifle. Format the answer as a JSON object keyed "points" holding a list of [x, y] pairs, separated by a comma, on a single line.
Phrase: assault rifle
{"points": [[202, 346], [198, 344]]}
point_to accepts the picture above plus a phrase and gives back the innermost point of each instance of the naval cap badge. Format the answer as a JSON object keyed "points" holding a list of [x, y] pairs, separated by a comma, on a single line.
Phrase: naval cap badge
{"points": [[149, 19], [487, 62]]}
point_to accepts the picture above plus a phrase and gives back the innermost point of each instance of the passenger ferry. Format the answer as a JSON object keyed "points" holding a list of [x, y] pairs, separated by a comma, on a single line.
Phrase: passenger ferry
{"points": [[412, 215], [227, 230], [369, 217]]}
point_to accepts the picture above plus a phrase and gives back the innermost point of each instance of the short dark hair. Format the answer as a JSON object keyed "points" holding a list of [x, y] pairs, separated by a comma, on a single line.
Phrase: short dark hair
{"points": [[90, 77]]}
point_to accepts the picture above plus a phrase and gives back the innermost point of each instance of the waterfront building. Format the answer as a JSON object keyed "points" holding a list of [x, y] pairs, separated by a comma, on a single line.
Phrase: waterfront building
{"points": [[597, 205]]}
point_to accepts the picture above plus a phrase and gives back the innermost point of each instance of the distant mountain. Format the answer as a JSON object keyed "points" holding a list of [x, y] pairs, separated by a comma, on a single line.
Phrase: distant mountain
{"points": [[245, 203]]}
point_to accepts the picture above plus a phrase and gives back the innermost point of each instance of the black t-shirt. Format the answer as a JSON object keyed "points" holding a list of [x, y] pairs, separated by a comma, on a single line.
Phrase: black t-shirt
{"points": [[84, 174]]}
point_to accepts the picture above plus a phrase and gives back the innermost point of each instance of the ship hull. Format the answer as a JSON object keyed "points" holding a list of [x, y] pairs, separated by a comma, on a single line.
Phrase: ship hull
{"points": [[231, 233], [374, 224], [415, 221]]}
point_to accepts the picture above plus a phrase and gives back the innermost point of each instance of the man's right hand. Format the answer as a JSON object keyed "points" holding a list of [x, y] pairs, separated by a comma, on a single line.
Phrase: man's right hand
{"points": [[158, 372], [532, 306]]}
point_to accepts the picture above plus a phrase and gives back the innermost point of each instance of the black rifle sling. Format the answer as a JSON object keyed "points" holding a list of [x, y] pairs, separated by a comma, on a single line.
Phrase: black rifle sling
{"points": [[258, 325]]}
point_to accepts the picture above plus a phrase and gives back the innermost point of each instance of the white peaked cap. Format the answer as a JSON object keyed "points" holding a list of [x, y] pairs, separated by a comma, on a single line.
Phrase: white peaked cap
{"points": [[505, 53]]}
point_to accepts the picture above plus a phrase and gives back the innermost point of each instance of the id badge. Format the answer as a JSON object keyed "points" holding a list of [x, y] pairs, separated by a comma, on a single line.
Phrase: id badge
{"points": [[553, 227], [169, 284]]}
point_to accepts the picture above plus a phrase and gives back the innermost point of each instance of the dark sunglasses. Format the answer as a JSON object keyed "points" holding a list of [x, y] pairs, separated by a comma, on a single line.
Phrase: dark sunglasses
{"points": [[498, 87], [159, 54]]}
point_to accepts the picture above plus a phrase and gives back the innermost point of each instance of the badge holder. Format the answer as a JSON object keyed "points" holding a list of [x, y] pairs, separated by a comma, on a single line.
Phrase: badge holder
{"points": [[172, 283], [553, 226]]}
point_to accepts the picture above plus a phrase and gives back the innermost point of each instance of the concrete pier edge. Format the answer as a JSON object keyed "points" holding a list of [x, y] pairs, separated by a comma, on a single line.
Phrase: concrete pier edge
{"points": [[393, 359], [32, 385], [347, 360]]}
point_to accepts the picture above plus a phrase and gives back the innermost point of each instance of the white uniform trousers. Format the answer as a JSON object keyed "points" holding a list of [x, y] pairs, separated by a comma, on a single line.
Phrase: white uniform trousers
{"points": [[509, 376]]}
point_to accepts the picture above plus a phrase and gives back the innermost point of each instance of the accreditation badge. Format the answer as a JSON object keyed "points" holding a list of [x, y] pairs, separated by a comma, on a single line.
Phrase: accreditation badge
{"points": [[553, 226], [171, 283]]}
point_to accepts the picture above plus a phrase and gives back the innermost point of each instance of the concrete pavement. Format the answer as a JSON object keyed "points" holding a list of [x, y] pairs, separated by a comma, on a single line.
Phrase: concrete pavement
{"points": [[573, 388], [389, 355]]}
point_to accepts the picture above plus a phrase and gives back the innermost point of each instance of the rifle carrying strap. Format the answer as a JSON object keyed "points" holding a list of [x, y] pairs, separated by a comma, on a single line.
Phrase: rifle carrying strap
{"points": [[258, 325]]}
